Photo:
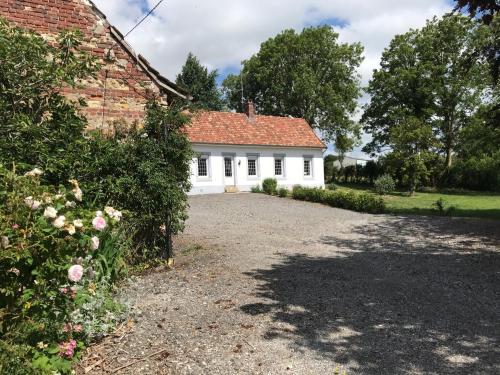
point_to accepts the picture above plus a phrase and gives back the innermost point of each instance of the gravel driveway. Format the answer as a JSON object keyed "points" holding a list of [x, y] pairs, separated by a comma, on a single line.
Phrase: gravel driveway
{"points": [[274, 286]]}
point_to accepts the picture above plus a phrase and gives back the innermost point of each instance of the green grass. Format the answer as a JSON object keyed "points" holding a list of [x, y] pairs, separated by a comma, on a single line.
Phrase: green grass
{"points": [[466, 204]]}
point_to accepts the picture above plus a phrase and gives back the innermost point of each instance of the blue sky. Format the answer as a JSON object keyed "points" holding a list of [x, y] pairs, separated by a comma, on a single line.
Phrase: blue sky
{"points": [[222, 33]]}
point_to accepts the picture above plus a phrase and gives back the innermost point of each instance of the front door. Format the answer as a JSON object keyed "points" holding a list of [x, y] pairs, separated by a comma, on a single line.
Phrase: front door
{"points": [[229, 171]]}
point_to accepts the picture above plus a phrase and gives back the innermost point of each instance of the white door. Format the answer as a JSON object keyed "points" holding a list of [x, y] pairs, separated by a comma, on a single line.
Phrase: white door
{"points": [[229, 171]]}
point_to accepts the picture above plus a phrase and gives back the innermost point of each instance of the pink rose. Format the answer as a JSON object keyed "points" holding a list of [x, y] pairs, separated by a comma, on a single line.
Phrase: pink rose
{"points": [[78, 328], [67, 349], [75, 272], [99, 223]]}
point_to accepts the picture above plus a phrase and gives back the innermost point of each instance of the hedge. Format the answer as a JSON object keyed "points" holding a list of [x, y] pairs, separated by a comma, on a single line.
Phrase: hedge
{"points": [[350, 200]]}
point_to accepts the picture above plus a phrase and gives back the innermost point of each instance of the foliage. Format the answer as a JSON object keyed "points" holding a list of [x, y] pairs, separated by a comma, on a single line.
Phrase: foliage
{"points": [[269, 186], [476, 173], [283, 192], [38, 126], [52, 264], [145, 172], [384, 184], [486, 9], [346, 141], [464, 203], [331, 172], [331, 186], [256, 189], [201, 84], [309, 75], [350, 200], [442, 91]]}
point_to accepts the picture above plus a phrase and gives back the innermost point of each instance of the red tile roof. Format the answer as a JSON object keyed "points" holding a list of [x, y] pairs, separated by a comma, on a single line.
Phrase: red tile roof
{"points": [[235, 129]]}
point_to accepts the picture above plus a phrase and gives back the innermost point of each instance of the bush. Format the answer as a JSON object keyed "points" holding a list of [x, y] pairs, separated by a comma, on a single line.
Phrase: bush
{"points": [[283, 192], [384, 184], [361, 202], [256, 189], [331, 186], [146, 172], [269, 186], [55, 271]]}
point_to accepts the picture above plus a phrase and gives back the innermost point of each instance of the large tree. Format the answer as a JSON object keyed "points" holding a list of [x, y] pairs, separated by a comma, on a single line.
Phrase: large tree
{"points": [[431, 75], [201, 84], [308, 74]]}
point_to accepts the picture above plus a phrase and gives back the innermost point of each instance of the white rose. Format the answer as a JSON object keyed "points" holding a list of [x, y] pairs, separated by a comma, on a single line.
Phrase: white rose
{"points": [[98, 213], [70, 229], [117, 215], [70, 204], [59, 222], [78, 223], [57, 196], [78, 194], [50, 212], [36, 204], [34, 172], [109, 210], [28, 201], [94, 243]]}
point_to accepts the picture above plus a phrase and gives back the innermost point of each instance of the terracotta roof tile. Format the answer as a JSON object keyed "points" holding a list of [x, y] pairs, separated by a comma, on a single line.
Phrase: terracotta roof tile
{"points": [[235, 129]]}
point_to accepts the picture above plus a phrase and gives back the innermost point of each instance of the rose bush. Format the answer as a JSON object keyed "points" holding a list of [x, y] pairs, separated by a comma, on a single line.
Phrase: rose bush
{"points": [[56, 264]]}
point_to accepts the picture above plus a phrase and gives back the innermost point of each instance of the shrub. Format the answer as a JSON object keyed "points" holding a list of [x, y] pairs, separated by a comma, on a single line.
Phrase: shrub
{"points": [[145, 172], [269, 186], [39, 126], [53, 266], [283, 192], [331, 186], [256, 189], [384, 184], [362, 202]]}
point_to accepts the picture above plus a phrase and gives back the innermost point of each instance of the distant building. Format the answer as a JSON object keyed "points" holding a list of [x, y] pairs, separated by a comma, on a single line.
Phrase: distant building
{"points": [[349, 160], [236, 151]]}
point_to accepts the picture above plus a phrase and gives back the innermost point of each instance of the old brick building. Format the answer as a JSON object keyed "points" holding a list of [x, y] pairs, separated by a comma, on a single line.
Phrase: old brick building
{"points": [[125, 80]]}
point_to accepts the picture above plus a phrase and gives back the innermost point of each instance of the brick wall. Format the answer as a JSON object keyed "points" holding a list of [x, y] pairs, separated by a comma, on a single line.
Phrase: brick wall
{"points": [[127, 84]]}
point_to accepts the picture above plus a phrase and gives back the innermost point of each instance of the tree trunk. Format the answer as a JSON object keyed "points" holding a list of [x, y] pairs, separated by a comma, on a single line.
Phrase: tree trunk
{"points": [[448, 157]]}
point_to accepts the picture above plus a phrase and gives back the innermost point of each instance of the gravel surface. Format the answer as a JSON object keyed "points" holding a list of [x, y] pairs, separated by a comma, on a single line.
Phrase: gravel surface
{"points": [[266, 285]]}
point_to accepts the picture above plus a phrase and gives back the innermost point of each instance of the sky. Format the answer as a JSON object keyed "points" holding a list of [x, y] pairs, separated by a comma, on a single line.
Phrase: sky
{"points": [[222, 33]]}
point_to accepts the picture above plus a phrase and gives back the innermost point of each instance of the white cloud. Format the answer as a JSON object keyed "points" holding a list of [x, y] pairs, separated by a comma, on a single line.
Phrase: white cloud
{"points": [[222, 33]]}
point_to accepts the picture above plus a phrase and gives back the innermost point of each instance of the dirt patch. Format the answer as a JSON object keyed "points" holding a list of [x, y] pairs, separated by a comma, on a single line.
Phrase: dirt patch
{"points": [[275, 286]]}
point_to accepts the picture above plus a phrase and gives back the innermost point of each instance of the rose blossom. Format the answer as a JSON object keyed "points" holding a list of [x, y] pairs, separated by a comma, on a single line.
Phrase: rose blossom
{"points": [[70, 229], [78, 194], [33, 173], [59, 222], [94, 243], [50, 212], [78, 223], [109, 210], [99, 223], [75, 273], [4, 242], [28, 201], [98, 213], [67, 349], [70, 204]]}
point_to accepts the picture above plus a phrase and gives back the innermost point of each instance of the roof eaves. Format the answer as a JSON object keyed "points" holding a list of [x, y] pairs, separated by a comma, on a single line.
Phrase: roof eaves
{"points": [[161, 81], [255, 145]]}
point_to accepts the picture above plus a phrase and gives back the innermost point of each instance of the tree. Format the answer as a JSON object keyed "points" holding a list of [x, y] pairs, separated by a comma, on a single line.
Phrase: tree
{"points": [[308, 75], [411, 141], [345, 142], [201, 84], [485, 9], [430, 75]]}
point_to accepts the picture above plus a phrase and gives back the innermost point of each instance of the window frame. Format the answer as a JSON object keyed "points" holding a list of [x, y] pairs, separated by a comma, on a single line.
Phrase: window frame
{"points": [[205, 156], [311, 168], [257, 166], [281, 157]]}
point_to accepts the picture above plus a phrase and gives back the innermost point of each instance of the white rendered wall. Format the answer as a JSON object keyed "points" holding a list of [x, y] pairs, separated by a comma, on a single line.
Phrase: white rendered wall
{"points": [[293, 167]]}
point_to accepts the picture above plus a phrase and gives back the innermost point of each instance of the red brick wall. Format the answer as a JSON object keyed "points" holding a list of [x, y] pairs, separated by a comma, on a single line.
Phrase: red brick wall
{"points": [[126, 83]]}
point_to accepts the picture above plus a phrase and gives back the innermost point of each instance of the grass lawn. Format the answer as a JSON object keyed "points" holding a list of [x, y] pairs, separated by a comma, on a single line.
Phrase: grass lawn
{"points": [[471, 204]]}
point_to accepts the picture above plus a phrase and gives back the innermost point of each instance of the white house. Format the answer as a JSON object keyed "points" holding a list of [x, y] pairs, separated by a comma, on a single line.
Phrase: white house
{"points": [[236, 151]]}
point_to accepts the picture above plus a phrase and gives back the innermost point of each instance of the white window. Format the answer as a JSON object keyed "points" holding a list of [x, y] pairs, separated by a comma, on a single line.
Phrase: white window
{"points": [[203, 166], [279, 165], [308, 166], [252, 165]]}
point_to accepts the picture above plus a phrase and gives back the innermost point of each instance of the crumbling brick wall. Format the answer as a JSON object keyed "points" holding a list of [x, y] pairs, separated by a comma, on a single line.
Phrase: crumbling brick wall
{"points": [[122, 85]]}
